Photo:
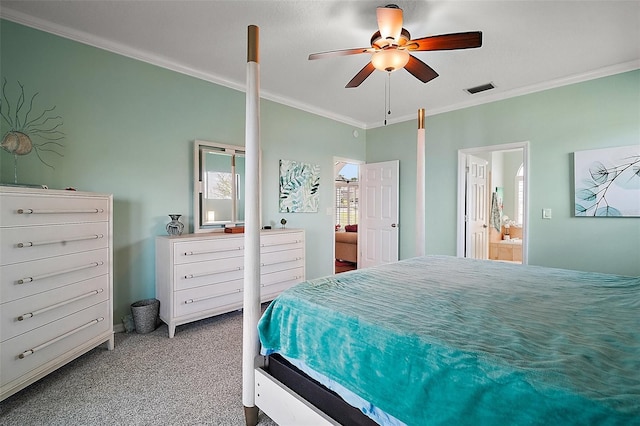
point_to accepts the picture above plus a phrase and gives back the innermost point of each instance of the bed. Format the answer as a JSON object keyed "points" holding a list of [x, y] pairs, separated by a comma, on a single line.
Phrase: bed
{"points": [[443, 340]]}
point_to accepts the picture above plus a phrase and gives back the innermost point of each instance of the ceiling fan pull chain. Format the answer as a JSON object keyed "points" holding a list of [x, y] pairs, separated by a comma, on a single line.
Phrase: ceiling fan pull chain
{"points": [[389, 78], [385, 101], [387, 97]]}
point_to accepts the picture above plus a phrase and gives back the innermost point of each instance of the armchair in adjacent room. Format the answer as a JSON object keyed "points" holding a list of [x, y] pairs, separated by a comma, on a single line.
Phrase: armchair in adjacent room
{"points": [[347, 244]]}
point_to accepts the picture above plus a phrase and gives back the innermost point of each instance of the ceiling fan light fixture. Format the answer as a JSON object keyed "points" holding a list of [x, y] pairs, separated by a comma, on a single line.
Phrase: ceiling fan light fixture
{"points": [[390, 59]]}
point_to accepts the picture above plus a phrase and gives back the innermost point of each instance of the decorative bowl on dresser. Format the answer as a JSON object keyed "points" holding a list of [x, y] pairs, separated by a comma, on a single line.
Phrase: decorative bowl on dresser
{"points": [[56, 280], [201, 275]]}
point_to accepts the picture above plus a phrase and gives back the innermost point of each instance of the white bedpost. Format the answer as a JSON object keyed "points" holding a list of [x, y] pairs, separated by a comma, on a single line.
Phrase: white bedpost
{"points": [[420, 183], [251, 301]]}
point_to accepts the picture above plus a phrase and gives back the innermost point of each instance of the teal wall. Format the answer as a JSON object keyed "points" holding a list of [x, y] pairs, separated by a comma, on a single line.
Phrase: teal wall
{"points": [[596, 114], [129, 130]]}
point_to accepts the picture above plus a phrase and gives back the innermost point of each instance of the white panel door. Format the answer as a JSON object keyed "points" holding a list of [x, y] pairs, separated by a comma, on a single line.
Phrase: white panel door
{"points": [[477, 208], [378, 228]]}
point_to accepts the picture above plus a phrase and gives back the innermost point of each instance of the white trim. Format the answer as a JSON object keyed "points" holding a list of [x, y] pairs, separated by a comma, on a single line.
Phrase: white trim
{"points": [[314, 110], [333, 213], [129, 52], [117, 48], [462, 162], [551, 84], [120, 49], [460, 216]]}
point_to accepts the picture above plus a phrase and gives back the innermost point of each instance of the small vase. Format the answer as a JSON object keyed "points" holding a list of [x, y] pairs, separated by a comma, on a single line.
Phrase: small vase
{"points": [[175, 227]]}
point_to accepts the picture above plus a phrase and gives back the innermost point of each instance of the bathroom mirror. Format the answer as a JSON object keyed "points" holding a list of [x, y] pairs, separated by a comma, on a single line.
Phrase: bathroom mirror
{"points": [[218, 187]]}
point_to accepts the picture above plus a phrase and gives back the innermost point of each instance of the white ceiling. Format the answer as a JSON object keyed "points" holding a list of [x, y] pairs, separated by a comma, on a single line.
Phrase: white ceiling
{"points": [[527, 46]]}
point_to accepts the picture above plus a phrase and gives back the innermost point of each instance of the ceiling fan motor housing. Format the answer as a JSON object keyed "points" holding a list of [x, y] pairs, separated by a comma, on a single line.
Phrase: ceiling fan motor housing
{"points": [[377, 42]]}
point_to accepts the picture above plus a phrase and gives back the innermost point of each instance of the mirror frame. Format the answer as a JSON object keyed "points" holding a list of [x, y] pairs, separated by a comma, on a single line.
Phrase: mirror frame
{"points": [[217, 226]]}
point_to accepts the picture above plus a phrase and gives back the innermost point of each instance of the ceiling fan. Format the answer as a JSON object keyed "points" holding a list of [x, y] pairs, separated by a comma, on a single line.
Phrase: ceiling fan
{"points": [[391, 44]]}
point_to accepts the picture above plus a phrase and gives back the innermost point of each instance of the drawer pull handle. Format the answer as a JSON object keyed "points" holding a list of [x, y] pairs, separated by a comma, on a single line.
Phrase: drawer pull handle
{"points": [[53, 274], [57, 305], [194, 253], [68, 240], [204, 274], [62, 336], [200, 299], [295, 278], [32, 211], [281, 261], [282, 243]]}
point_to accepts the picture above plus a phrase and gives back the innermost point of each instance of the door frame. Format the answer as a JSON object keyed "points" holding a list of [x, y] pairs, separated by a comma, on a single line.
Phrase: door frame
{"points": [[333, 213], [462, 183]]}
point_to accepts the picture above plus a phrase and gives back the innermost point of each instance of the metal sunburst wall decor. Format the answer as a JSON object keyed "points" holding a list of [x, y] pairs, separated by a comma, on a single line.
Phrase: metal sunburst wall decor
{"points": [[26, 124]]}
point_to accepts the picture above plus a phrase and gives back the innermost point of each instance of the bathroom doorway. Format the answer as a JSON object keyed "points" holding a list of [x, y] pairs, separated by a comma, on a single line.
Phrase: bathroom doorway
{"points": [[492, 220]]}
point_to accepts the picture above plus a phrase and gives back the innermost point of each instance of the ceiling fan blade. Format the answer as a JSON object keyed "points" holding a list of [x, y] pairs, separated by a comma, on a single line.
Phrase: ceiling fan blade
{"points": [[453, 41], [361, 76], [344, 52], [420, 70], [390, 22]]}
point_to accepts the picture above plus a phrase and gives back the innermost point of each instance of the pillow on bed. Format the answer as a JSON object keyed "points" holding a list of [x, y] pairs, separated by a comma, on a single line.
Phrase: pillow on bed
{"points": [[351, 228]]}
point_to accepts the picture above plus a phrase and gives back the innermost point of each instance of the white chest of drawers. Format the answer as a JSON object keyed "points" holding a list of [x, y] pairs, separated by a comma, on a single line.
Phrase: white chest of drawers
{"points": [[56, 297], [201, 275]]}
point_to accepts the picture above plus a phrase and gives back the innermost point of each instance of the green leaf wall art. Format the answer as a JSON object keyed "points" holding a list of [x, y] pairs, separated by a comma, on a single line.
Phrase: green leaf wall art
{"points": [[299, 183], [607, 182]]}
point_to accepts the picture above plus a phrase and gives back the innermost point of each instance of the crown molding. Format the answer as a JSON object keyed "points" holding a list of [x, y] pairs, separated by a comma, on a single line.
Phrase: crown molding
{"points": [[551, 84], [127, 51], [313, 110], [117, 48]]}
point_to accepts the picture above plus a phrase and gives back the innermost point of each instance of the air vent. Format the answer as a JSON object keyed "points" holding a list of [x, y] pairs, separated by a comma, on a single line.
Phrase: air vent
{"points": [[481, 88]]}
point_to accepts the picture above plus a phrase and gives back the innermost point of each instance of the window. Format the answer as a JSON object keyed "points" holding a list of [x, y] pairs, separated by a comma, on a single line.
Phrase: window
{"points": [[346, 203], [219, 185]]}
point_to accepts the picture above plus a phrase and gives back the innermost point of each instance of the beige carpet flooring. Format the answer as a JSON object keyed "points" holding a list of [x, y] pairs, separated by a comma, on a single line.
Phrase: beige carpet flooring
{"points": [[193, 379]]}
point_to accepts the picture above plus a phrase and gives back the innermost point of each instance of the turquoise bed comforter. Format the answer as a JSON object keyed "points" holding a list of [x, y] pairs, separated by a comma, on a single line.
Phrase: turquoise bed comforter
{"points": [[443, 340]]}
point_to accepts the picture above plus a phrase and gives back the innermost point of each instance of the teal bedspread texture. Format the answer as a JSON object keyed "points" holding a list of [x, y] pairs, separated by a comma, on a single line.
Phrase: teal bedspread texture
{"points": [[439, 340]]}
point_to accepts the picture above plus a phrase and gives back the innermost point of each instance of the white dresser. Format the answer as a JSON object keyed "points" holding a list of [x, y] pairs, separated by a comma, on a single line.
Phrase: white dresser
{"points": [[56, 280], [201, 275]]}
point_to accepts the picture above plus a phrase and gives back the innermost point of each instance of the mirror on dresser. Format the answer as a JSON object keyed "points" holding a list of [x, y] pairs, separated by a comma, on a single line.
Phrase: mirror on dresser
{"points": [[218, 189]]}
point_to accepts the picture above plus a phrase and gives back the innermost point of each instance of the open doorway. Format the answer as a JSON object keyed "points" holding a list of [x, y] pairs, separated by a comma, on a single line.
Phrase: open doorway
{"points": [[346, 210], [493, 202]]}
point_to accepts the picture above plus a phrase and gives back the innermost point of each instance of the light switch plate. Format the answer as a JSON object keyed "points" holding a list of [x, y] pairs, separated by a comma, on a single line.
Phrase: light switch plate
{"points": [[546, 213]]}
